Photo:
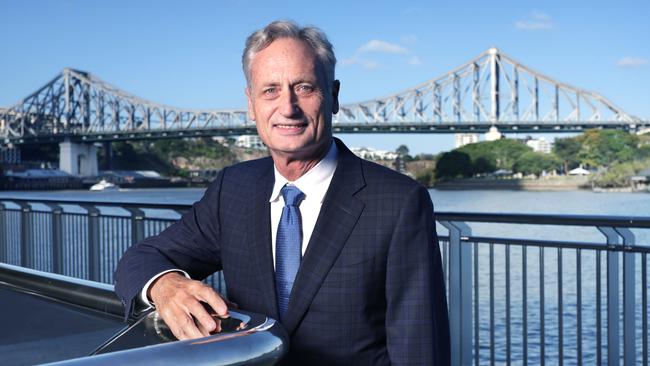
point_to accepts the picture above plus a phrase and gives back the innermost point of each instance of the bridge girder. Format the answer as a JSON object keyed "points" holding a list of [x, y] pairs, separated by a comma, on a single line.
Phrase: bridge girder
{"points": [[492, 89]]}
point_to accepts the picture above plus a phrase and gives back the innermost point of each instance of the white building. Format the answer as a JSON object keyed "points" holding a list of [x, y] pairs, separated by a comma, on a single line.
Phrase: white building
{"points": [[463, 139], [540, 145], [373, 154], [493, 134], [249, 142]]}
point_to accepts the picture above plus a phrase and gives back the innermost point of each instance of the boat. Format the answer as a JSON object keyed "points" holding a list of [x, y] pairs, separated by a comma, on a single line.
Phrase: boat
{"points": [[104, 185]]}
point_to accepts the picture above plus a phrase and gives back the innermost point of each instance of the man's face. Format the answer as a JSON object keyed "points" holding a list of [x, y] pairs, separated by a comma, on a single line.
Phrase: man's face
{"points": [[289, 101]]}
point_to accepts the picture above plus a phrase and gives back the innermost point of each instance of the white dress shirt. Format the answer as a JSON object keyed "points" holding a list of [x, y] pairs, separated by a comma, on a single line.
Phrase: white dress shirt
{"points": [[314, 184]]}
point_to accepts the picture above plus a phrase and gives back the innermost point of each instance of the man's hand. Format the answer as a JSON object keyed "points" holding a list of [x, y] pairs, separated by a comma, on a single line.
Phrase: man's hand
{"points": [[178, 301]]}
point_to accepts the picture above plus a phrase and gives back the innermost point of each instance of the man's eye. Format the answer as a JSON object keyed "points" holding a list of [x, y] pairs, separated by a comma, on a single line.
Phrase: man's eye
{"points": [[304, 89], [269, 91]]}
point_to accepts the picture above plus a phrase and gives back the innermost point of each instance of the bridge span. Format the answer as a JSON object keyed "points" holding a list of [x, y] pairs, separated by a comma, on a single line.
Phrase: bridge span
{"points": [[491, 90]]}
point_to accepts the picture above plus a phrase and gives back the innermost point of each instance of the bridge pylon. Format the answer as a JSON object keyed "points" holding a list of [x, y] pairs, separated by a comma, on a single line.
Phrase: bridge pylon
{"points": [[78, 158]]}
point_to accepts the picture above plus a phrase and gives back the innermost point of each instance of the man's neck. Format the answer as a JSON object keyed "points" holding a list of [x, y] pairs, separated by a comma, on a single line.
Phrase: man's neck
{"points": [[294, 168]]}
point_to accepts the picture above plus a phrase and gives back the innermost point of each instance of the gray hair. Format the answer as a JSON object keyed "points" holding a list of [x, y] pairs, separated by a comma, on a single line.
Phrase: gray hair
{"points": [[278, 29]]}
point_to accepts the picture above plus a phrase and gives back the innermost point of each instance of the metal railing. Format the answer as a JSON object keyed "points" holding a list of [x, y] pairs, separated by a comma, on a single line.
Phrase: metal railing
{"points": [[522, 289], [83, 239], [547, 289]]}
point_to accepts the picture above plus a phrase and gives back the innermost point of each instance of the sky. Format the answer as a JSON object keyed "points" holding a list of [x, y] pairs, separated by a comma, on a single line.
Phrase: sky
{"points": [[188, 53]]}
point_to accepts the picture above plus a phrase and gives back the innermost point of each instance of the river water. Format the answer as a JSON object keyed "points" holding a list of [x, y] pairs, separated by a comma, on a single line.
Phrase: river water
{"points": [[558, 202], [555, 202]]}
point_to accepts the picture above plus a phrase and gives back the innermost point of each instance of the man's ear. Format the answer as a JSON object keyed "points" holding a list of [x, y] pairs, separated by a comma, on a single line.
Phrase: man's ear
{"points": [[336, 86], [251, 110]]}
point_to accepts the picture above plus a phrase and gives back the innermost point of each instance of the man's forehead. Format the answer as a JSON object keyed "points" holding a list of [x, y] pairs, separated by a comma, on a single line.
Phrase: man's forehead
{"points": [[284, 58]]}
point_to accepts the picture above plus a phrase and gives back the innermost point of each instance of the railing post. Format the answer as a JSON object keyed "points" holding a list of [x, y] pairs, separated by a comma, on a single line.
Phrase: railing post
{"points": [[137, 225], [57, 238], [94, 251], [629, 316], [460, 292], [613, 307], [4, 251], [25, 237]]}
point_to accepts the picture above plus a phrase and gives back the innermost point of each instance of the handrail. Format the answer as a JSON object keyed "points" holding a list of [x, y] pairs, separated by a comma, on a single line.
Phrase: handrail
{"points": [[505, 218], [547, 219], [162, 206], [89, 294]]}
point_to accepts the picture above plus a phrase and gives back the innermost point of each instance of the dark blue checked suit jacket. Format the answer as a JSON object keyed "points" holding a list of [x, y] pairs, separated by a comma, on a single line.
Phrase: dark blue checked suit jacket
{"points": [[370, 288]]}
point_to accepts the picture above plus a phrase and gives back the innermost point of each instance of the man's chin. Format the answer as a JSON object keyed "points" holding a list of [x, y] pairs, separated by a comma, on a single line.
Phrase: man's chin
{"points": [[294, 151]]}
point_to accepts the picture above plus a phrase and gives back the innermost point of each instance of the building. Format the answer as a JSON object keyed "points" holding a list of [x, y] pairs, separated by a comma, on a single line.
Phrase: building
{"points": [[250, 142], [463, 139], [540, 145], [493, 134], [373, 154]]}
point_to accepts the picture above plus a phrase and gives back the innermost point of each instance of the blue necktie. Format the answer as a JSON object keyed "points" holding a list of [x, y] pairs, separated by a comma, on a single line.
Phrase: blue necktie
{"points": [[288, 246]]}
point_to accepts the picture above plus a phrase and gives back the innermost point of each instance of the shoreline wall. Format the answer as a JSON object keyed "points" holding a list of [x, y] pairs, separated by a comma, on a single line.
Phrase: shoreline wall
{"points": [[551, 184]]}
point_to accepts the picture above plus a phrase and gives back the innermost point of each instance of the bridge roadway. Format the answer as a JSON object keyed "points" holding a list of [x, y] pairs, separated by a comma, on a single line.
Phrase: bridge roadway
{"points": [[340, 128]]}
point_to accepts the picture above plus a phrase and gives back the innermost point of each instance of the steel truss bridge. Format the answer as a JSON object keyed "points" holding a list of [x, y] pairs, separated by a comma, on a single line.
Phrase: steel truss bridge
{"points": [[491, 90]]}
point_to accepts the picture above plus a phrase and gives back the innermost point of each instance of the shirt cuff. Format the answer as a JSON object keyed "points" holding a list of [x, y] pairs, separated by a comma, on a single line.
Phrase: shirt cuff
{"points": [[143, 294]]}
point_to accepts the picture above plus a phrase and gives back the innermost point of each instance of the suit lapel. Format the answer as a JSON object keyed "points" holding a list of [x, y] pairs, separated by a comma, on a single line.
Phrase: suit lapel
{"points": [[260, 241], [338, 216]]}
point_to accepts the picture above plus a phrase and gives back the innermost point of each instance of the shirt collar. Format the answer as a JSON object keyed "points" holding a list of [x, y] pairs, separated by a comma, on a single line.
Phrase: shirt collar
{"points": [[315, 182]]}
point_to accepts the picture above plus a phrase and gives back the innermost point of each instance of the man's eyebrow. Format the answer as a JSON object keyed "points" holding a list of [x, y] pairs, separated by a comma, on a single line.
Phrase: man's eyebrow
{"points": [[305, 80]]}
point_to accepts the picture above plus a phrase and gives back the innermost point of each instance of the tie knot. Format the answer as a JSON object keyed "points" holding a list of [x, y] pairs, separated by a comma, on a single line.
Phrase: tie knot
{"points": [[292, 195]]}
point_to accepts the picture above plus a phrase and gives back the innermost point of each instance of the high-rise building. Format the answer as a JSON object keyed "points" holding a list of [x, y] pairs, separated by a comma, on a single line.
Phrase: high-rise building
{"points": [[540, 145], [463, 139]]}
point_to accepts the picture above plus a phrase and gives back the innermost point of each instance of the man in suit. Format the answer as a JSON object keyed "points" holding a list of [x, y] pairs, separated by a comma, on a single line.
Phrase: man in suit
{"points": [[342, 251]]}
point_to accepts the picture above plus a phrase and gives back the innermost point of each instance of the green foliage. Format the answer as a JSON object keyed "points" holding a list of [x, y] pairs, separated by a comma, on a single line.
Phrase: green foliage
{"points": [[157, 155], [535, 163], [605, 147], [427, 178], [203, 147], [617, 150], [454, 164], [618, 174], [567, 150], [598, 148], [488, 156], [402, 150]]}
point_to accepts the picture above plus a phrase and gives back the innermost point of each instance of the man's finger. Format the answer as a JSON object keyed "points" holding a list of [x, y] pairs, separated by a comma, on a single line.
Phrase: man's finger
{"points": [[201, 315], [214, 300], [217, 329], [183, 326]]}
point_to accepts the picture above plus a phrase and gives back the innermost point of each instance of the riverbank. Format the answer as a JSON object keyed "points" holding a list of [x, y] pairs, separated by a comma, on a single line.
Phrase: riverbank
{"points": [[542, 184]]}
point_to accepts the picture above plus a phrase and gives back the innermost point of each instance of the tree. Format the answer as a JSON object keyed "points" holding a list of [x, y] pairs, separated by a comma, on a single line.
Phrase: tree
{"points": [[402, 150], [605, 147], [567, 150], [535, 163], [453, 164], [488, 156]]}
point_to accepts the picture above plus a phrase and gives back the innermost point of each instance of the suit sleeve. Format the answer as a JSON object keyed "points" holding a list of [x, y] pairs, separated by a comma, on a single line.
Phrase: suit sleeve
{"points": [[191, 244], [417, 324]]}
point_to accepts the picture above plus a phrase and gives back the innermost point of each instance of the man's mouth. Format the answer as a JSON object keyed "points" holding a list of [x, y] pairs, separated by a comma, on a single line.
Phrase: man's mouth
{"points": [[290, 126]]}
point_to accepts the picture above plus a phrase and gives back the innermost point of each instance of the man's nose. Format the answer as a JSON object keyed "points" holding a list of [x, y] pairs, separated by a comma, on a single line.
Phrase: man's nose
{"points": [[289, 104]]}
